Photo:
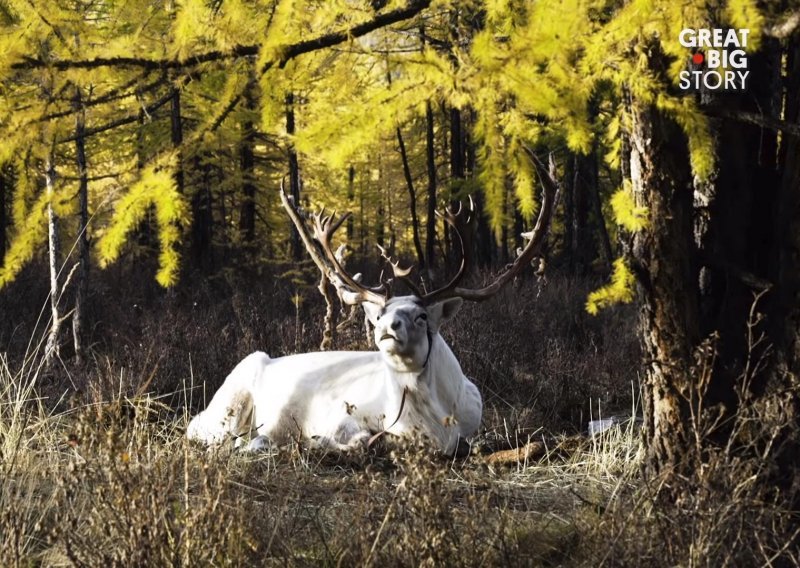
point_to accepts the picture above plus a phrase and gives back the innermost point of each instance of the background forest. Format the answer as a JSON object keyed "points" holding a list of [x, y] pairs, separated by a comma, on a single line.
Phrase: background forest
{"points": [[144, 251]]}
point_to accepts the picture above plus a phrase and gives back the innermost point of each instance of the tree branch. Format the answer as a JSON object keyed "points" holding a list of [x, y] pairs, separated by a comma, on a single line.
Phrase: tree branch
{"points": [[784, 26], [757, 119], [121, 92], [413, 8], [126, 119], [291, 51]]}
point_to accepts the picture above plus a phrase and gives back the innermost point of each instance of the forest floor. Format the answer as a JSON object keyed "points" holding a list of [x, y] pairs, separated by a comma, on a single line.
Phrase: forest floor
{"points": [[95, 469]]}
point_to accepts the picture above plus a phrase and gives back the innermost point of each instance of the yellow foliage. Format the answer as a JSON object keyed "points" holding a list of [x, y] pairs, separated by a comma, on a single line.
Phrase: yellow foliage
{"points": [[491, 155], [31, 232], [746, 14], [155, 187], [524, 177], [626, 212], [619, 291], [189, 30], [25, 190], [559, 73], [281, 27], [695, 125]]}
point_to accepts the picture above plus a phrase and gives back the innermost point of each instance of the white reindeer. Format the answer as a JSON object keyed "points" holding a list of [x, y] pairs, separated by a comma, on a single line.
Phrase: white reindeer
{"points": [[413, 384]]}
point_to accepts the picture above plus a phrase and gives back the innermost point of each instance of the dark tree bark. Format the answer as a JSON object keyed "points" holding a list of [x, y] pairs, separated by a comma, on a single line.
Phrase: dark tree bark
{"points": [[602, 230], [580, 188], [144, 233], [430, 156], [380, 225], [519, 228], [412, 197], [485, 245], [176, 135], [5, 187], [294, 176], [734, 216], [662, 259], [351, 195], [457, 155], [202, 217], [457, 158], [222, 206], [784, 316], [247, 215], [568, 191], [457, 168], [585, 185], [706, 251], [786, 267], [82, 284]]}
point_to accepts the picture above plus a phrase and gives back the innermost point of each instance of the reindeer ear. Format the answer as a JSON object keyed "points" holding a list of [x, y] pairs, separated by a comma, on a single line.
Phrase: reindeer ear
{"points": [[442, 311], [373, 311]]}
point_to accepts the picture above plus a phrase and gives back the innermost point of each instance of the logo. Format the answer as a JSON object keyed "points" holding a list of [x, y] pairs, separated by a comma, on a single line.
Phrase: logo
{"points": [[718, 61]]}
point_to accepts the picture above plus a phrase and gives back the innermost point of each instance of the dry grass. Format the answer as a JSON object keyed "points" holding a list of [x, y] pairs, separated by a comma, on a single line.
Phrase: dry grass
{"points": [[102, 475], [114, 483]]}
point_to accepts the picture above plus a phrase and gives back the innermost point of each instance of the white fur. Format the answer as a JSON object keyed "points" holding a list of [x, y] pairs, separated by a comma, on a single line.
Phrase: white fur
{"points": [[338, 399]]}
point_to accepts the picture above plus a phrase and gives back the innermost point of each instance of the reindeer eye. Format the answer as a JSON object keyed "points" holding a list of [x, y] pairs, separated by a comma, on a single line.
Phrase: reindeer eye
{"points": [[422, 317]]}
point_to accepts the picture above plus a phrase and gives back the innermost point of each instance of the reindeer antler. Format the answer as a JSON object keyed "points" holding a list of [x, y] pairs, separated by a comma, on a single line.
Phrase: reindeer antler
{"points": [[353, 292], [399, 273], [319, 248], [531, 250]]}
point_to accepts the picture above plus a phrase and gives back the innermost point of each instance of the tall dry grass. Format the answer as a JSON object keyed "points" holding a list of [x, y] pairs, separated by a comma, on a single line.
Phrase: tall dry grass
{"points": [[95, 471], [114, 482]]}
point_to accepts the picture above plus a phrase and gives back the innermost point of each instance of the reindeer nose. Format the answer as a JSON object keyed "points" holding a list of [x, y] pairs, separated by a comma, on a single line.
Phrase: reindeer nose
{"points": [[396, 324]]}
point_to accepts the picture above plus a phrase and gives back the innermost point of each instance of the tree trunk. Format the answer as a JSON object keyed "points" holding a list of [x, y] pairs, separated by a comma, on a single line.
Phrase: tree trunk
{"points": [[294, 176], [412, 196], [484, 237], [785, 316], [145, 230], [351, 195], [430, 236], [505, 255], [787, 225], [82, 285], [176, 135], [457, 169], [734, 220], [5, 185], [602, 230], [568, 191], [585, 184], [247, 216], [380, 225], [202, 218], [52, 347], [699, 264], [662, 260]]}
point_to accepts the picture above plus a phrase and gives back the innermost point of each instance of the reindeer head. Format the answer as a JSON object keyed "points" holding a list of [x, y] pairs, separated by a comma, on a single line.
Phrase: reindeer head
{"points": [[405, 329]]}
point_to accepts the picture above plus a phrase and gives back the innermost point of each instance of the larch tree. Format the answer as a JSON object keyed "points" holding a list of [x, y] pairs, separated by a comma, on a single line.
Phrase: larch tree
{"points": [[705, 239], [368, 102]]}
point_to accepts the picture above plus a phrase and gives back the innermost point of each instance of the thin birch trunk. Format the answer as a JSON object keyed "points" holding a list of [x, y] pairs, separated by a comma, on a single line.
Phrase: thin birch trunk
{"points": [[51, 350]]}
